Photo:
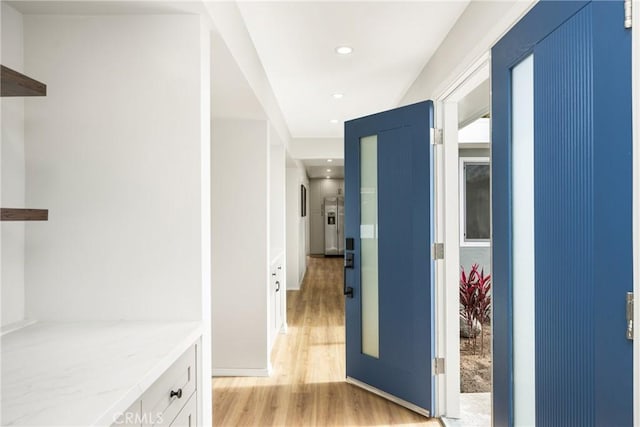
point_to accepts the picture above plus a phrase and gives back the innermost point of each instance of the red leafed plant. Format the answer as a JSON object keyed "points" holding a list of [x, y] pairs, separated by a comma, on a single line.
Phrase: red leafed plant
{"points": [[475, 300]]}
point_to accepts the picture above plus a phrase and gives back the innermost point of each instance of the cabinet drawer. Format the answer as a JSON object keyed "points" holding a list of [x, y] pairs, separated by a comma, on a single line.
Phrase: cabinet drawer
{"points": [[167, 396], [187, 416], [130, 418]]}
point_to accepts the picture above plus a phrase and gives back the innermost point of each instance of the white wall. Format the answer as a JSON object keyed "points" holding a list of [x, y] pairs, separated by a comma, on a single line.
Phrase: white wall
{"points": [[277, 192], [12, 169], [318, 190], [297, 226], [239, 194], [231, 27], [254, 207], [277, 239], [114, 153], [231, 95], [316, 148]]}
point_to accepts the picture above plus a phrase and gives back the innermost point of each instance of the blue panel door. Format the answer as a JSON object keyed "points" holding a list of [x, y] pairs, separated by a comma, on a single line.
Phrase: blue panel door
{"points": [[388, 304], [582, 193]]}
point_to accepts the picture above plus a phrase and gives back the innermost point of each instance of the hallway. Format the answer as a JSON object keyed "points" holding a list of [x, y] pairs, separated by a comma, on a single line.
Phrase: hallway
{"points": [[307, 386]]}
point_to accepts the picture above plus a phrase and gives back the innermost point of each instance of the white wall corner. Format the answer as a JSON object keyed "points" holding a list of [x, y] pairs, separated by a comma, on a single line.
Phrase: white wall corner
{"points": [[231, 26], [205, 405], [130, 150], [297, 226], [240, 255], [12, 176]]}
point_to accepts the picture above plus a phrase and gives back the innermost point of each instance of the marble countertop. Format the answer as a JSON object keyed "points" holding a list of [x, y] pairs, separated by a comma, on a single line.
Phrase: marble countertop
{"points": [[85, 373]]}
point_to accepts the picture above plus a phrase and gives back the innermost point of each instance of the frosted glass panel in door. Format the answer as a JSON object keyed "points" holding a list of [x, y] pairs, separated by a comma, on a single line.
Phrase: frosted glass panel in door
{"points": [[523, 244], [369, 244]]}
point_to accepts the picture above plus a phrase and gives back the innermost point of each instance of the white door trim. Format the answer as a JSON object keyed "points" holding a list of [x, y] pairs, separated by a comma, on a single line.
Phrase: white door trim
{"points": [[447, 223], [442, 331], [452, 258], [473, 76]]}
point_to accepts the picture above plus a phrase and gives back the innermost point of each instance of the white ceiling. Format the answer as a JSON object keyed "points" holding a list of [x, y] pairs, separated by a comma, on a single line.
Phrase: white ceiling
{"points": [[391, 41], [295, 41], [104, 7], [321, 168], [475, 104]]}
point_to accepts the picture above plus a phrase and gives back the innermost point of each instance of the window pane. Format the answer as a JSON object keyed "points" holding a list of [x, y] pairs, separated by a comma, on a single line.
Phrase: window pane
{"points": [[477, 202]]}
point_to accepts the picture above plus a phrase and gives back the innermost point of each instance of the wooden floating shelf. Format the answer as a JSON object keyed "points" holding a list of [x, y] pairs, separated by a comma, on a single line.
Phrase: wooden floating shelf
{"points": [[10, 214], [13, 83]]}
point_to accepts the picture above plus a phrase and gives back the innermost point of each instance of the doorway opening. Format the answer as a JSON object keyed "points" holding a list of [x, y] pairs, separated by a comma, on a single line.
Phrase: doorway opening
{"points": [[463, 198], [475, 267], [325, 198], [475, 243]]}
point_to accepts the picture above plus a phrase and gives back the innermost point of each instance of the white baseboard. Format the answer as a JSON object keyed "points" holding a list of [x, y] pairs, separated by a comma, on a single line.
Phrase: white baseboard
{"points": [[11, 327], [240, 372]]}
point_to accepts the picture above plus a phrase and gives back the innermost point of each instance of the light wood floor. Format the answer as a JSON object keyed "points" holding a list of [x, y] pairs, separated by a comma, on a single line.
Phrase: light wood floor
{"points": [[307, 387]]}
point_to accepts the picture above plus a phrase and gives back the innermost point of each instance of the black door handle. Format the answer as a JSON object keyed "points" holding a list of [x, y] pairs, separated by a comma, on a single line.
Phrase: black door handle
{"points": [[277, 286], [348, 263]]}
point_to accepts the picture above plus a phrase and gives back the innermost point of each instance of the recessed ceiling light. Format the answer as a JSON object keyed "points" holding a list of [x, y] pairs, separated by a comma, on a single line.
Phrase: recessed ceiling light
{"points": [[328, 170], [344, 50], [334, 121], [329, 160], [338, 95]]}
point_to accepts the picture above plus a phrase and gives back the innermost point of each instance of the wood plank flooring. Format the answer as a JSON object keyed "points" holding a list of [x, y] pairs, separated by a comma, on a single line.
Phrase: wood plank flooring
{"points": [[307, 387]]}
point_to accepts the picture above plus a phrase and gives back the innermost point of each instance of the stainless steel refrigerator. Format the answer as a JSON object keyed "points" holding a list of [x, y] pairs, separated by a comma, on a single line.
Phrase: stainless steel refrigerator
{"points": [[334, 225]]}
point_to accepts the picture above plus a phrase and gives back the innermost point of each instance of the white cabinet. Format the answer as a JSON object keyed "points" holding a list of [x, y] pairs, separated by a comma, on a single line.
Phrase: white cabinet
{"points": [[170, 401], [277, 299], [187, 416], [277, 289], [131, 417]]}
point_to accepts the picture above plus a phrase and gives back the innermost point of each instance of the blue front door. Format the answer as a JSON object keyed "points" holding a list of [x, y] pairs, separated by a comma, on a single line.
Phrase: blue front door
{"points": [[562, 217], [388, 268]]}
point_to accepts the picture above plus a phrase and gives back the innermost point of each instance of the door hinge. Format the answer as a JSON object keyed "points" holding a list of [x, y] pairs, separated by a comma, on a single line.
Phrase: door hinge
{"points": [[628, 13], [437, 251], [438, 366], [630, 315], [436, 136]]}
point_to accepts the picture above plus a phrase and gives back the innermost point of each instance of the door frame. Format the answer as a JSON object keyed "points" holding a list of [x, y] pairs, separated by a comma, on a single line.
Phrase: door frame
{"points": [[447, 387], [447, 181]]}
